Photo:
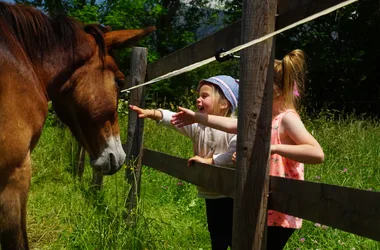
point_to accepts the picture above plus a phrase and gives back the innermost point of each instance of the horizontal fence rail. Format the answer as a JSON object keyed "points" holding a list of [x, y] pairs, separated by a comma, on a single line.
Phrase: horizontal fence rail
{"points": [[348, 209], [213, 178], [226, 38]]}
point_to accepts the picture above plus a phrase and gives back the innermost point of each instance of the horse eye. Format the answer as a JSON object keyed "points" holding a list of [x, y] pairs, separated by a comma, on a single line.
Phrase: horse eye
{"points": [[119, 82]]}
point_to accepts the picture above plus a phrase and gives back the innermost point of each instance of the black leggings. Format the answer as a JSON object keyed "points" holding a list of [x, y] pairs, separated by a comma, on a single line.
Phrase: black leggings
{"points": [[219, 220], [277, 237]]}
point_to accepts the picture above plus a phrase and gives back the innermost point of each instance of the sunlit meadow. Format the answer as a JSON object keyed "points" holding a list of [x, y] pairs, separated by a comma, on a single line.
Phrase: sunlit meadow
{"points": [[65, 213]]}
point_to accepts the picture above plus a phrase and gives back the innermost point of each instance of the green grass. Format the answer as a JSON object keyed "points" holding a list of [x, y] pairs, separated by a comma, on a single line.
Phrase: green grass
{"points": [[64, 213]]}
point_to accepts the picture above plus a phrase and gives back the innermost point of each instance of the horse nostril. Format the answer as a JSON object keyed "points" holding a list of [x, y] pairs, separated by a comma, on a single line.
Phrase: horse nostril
{"points": [[112, 160], [114, 166]]}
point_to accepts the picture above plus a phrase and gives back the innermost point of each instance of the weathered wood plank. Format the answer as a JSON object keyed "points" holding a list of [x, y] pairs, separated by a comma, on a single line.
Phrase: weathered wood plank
{"points": [[289, 12], [213, 178], [348, 209], [134, 146], [97, 180], [255, 115], [136, 97], [81, 157], [203, 49]]}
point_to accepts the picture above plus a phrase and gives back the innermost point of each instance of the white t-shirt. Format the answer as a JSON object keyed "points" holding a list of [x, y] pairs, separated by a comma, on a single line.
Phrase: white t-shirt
{"points": [[207, 143]]}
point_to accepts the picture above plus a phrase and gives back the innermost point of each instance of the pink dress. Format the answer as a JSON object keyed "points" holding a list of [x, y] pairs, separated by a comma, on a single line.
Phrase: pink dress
{"points": [[283, 167]]}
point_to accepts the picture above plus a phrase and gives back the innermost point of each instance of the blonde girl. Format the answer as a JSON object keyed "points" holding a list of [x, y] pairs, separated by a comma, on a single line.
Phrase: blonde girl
{"points": [[218, 96], [291, 144]]}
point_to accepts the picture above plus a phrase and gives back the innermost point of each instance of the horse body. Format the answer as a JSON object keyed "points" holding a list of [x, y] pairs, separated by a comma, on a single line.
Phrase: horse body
{"points": [[44, 59]]}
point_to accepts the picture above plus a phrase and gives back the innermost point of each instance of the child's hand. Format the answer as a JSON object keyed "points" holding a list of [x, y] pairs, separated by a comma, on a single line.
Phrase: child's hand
{"points": [[147, 113], [183, 117], [199, 159], [234, 157], [143, 113]]}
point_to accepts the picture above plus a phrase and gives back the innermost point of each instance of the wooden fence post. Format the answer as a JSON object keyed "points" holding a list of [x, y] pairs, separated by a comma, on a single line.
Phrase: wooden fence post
{"points": [[97, 180], [97, 177], [134, 146], [254, 127], [80, 162]]}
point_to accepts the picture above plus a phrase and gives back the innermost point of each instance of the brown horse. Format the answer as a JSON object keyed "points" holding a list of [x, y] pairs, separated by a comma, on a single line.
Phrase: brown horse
{"points": [[57, 59]]}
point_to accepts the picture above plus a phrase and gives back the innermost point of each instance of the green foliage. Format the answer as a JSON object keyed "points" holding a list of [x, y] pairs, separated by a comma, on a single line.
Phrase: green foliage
{"points": [[122, 108], [233, 11], [121, 14], [87, 14]]}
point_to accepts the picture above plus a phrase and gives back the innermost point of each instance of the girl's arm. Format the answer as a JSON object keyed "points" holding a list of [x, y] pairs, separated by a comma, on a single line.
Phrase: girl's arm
{"points": [[197, 158], [306, 149], [163, 117], [187, 116], [222, 159], [225, 159], [147, 113]]}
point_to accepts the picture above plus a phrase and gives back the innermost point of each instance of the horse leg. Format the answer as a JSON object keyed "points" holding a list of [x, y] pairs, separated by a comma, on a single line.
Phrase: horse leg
{"points": [[13, 198]]}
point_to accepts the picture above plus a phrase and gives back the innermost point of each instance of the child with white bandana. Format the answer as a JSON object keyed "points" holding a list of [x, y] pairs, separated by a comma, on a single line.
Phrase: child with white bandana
{"points": [[218, 96]]}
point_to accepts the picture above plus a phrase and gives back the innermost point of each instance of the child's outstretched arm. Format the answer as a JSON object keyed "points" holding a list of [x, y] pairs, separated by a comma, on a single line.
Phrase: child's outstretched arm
{"points": [[147, 113], [187, 116], [306, 149]]}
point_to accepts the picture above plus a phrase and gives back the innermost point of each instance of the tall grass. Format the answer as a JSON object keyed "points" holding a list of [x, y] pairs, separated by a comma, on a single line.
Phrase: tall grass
{"points": [[64, 213]]}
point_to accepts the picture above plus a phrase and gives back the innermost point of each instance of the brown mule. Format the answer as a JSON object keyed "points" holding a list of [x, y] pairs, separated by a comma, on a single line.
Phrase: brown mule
{"points": [[57, 59]]}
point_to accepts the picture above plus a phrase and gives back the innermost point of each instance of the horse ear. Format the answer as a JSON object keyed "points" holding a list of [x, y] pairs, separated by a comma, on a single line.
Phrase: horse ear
{"points": [[125, 38], [96, 32]]}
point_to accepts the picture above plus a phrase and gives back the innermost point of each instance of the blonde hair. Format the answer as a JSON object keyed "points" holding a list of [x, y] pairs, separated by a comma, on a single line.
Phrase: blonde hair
{"points": [[289, 78], [219, 99]]}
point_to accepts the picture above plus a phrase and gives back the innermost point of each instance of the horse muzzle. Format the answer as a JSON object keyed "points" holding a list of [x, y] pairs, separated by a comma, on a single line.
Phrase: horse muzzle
{"points": [[111, 159]]}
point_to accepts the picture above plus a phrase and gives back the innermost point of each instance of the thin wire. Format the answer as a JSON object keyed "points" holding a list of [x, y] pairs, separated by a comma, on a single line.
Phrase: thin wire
{"points": [[243, 46]]}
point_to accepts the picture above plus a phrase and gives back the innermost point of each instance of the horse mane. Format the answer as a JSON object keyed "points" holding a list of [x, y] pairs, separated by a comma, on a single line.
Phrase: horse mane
{"points": [[39, 34]]}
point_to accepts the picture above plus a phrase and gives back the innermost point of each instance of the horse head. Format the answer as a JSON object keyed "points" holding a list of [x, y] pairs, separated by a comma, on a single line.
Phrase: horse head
{"points": [[87, 101]]}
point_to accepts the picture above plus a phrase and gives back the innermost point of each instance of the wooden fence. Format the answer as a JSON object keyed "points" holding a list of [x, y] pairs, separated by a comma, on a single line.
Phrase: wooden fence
{"points": [[253, 190]]}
